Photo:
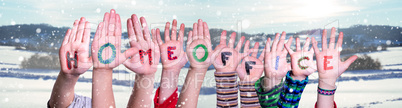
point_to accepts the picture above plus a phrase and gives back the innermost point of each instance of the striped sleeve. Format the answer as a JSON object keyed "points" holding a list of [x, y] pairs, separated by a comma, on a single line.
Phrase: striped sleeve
{"points": [[291, 92], [226, 89], [248, 95], [270, 98]]}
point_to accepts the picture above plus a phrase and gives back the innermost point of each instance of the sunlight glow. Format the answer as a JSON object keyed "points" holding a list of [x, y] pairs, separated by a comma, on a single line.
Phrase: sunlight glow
{"points": [[317, 8]]}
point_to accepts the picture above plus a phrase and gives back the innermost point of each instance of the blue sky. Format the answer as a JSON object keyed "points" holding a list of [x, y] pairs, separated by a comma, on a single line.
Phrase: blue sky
{"points": [[268, 16]]}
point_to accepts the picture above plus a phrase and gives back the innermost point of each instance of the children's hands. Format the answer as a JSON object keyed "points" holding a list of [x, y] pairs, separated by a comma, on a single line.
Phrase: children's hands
{"points": [[199, 47], [172, 52], [251, 67], [330, 66], [106, 49], [275, 63], [301, 59], [147, 59], [226, 57], [73, 53]]}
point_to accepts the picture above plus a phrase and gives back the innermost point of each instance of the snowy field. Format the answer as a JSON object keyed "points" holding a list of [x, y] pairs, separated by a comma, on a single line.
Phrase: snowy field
{"points": [[17, 92]]}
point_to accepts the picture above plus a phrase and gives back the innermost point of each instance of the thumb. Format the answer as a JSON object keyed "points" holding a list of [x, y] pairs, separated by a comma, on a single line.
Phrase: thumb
{"points": [[128, 53], [347, 63], [287, 47], [240, 73]]}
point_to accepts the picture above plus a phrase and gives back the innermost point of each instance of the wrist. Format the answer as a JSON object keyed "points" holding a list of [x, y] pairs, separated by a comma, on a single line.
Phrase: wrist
{"points": [[68, 76], [327, 83], [298, 77], [225, 70], [198, 69], [173, 71], [102, 70], [146, 75], [268, 83]]}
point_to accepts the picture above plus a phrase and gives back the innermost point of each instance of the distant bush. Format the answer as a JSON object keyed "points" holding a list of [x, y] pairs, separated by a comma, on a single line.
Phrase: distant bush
{"points": [[364, 62], [37, 61], [357, 49]]}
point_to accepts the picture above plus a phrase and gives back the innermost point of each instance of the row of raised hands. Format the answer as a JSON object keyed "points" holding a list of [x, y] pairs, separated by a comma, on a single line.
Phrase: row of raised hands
{"points": [[147, 48]]}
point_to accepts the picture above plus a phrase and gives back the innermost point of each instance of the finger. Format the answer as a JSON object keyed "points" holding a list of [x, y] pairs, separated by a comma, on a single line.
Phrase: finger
{"points": [[287, 46], [261, 58], [98, 31], [223, 38], [200, 29], [316, 50], [104, 29], [276, 41], [112, 23], [181, 33], [324, 40], [246, 48], [117, 31], [80, 30], [298, 44], [306, 45], [240, 43], [281, 42], [167, 28], [189, 38], [158, 33], [74, 31], [255, 50], [144, 25], [232, 39], [153, 34], [267, 44], [87, 33], [130, 30], [206, 31], [137, 28], [195, 31], [347, 63], [289, 43], [340, 40], [332, 38], [128, 53], [174, 30], [67, 37], [106, 19]]}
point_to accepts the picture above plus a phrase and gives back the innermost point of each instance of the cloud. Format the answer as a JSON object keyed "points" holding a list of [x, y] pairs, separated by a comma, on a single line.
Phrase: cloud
{"points": [[259, 15]]}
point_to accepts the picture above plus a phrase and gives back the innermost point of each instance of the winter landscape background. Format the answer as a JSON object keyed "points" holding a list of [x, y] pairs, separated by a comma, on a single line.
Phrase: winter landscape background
{"points": [[31, 33]]}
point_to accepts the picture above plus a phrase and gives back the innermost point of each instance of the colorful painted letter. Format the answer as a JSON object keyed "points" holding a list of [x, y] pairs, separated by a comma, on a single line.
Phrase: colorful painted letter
{"points": [[301, 59], [170, 52], [149, 53], [248, 66], [224, 57], [75, 59], [326, 62], [277, 63], [205, 51], [110, 60]]}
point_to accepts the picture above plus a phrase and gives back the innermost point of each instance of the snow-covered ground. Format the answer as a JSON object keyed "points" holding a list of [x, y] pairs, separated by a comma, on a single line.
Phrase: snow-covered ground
{"points": [[16, 92]]}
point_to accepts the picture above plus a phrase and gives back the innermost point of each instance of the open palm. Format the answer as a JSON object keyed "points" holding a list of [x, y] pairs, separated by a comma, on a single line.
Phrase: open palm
{"points": [[276, 66], [106, 49], [172, 52], [227, 57], [302, 59], [147, 60], [73, 53], [199, 47], [329, 64], [251, 67]]}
